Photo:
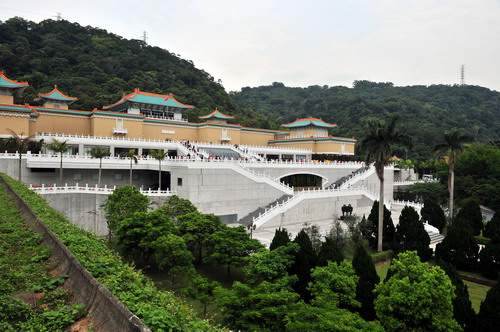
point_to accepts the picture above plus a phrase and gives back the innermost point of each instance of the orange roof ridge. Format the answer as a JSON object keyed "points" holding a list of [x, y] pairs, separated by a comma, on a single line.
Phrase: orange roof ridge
{"points": [[2, 74], [56, 90]]}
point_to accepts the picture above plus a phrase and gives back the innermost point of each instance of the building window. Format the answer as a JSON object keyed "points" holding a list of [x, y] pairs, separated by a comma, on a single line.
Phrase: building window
{"points": [[118, 176], [77, 177], [179, 182]]}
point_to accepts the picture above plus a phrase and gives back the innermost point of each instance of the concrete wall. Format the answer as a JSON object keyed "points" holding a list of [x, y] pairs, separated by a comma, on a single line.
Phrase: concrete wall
{"points": [[320, 209], [222, 191]]}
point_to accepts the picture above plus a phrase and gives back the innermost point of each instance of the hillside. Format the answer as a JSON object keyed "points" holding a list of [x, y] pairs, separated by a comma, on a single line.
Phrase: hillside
{"points": [[99, 67], [426, 111]]}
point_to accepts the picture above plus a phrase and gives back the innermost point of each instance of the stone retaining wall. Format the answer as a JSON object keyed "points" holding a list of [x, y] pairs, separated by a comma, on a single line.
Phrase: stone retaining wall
{"points": [[106, 312]]}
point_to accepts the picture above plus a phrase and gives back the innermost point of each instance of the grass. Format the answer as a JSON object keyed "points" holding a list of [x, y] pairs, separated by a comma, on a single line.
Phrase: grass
{"points": [[477, 293], [382, 270]]}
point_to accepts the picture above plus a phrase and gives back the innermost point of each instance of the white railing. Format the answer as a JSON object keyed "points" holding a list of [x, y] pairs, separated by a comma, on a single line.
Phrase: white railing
{"points": [[252, 147], [358, 177], [54, 189], [285, 205], [267, 178], [417, 206]]}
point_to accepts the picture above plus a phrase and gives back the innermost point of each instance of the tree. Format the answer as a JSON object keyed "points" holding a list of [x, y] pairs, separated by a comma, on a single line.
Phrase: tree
{"points": [[280, 238], [304, 261], [137, 234], [305, 317], [133, 159], [489, 315], [433, 214], [203, 291], [122, 203], [458, 247], [99, 153], [462, 305], [470, 213], [261, 307], [196, 228], [489, 258], [453, 147], [368, 279], [270, 265], [314, 235], [170, 252], [334, 286], [329, 251], [492, 228], [231, 245], [411, 235], [159, 155], [175, 206], [60, 147], [371, 232], [21, 143], [377, 147], [416, 298]]}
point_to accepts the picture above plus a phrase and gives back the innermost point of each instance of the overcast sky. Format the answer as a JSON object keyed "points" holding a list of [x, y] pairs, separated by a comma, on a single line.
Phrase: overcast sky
{"points": [[304, 42]]}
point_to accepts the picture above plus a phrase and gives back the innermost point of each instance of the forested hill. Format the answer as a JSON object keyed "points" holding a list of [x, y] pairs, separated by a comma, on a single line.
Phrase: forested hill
{"points": [[426, 111], [99, 67]]}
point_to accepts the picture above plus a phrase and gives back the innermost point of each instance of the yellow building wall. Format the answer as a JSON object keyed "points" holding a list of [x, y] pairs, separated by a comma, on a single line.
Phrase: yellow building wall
{"points": [[255, 138], [20, 125], [327, 147], [297, 145], [134, 128], [153, 131], [9, 100], [55, 105], [55, 123], [210, 134], [349, 147], [102, 127]]}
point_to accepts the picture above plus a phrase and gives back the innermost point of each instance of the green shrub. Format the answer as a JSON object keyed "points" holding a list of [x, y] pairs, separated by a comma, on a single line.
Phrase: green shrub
{"points": [[382, 256]]}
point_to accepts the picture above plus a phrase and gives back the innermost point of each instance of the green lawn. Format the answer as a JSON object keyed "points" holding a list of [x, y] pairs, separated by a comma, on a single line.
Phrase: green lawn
{"points": [[477, 293], [382, 271]]}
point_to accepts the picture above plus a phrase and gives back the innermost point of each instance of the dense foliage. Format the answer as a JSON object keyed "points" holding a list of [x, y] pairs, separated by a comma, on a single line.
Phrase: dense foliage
{"points": [[368, 279], [99, 67], [415, 297], [157, 309], [370, 232], [489, 315], [426, 111], [462, 305], [411, 235]]}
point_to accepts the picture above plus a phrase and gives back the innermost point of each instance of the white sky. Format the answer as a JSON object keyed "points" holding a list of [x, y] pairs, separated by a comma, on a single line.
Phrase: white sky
{"points": [[302, 43]]}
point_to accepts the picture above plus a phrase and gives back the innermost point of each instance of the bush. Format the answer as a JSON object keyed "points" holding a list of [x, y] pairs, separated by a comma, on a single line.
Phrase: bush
{"points": [[382, 256]]}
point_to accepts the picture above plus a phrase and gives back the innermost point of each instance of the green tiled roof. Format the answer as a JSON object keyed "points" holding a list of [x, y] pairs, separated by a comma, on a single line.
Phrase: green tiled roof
{"points": [[149, 98], [309, 122], [216, 114], [57, 95], [7, 83]]}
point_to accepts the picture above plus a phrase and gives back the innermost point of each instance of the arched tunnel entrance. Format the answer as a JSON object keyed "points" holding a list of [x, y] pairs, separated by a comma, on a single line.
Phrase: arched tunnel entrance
{"points": [[303, 181]]}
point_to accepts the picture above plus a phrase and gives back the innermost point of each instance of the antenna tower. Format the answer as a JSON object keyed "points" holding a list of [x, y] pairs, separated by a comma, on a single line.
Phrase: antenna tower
{"points": [[462, 75], [58, 16], [145, 37]]}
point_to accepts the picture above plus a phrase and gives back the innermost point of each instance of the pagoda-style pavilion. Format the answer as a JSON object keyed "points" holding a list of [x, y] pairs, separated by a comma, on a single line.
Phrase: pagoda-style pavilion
{"points": [[10, 88], [216, 116], [150, 105], [55, 99]]}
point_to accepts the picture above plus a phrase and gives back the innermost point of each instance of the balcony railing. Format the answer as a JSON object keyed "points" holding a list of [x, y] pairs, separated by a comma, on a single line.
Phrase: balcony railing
{"points": [[120, 131]]}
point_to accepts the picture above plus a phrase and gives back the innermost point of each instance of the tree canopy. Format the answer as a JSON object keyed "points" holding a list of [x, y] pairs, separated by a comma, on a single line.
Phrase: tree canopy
{"points": [[416, 297]]}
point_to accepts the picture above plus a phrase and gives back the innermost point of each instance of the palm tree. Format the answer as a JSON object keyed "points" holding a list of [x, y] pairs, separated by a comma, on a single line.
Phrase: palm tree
{"points": [[59, 147], [452, 148], [21, 143], [159, 155], [133, 159], [377, 148], [100, 153]]}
